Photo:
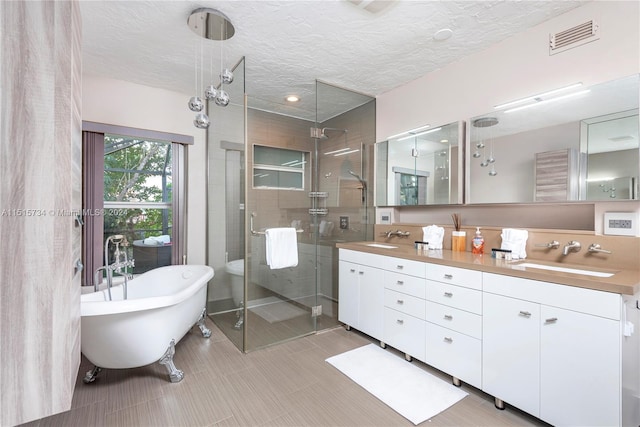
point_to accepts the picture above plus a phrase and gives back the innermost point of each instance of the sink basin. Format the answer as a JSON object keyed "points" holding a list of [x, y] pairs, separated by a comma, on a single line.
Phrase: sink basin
{"points": [[564, 269], [380, 245]]}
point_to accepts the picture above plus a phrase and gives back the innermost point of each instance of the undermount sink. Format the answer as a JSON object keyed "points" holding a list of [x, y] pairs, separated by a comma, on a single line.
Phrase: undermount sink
{"points": [[380, 245], [564, 269]]}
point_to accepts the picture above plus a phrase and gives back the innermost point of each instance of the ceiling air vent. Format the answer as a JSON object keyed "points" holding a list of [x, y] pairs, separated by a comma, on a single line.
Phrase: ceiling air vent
{"points": [[573, 37]]}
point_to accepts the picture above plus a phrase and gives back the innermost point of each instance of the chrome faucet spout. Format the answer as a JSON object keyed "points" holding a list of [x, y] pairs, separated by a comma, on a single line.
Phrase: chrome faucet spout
{"points": [[573, 245]]}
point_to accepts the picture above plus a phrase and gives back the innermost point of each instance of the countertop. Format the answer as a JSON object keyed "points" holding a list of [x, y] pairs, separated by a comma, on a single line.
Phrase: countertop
{"points": [[626, 281]]}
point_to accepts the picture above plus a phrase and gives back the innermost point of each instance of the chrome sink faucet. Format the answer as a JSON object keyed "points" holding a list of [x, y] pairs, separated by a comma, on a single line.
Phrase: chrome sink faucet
{"points": [[573, 245], [398, 233]]}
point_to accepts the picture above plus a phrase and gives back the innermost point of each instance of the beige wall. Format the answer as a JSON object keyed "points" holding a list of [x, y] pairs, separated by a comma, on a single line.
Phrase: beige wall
{"points": [[515, 68], [127, 104]]}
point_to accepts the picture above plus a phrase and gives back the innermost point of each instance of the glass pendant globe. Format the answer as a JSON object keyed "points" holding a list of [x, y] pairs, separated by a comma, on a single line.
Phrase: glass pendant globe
{"points": [[222, 99], [210, 92], [201, 121], [196, 104], [226, 76]]}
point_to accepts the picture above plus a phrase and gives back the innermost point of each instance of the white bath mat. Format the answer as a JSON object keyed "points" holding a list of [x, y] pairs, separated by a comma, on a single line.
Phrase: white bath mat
{"points": [[273, 309], [410, 391]]}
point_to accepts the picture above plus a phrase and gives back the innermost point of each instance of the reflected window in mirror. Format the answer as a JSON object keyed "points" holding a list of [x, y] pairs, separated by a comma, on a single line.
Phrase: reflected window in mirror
{"points": [[420, 167], [566, 146]]}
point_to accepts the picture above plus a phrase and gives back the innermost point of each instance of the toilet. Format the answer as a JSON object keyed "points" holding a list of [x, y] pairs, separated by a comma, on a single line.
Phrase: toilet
{"points": [[235, 269]]}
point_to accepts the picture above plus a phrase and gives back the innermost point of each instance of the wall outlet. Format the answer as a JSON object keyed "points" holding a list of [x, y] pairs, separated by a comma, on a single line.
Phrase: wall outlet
{"points": [[621, 223], [344, 223]]}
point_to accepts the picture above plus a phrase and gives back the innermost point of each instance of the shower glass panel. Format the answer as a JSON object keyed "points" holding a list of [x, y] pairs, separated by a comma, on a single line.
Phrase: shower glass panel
{"points": [[225, 207], [270, 172], [342, 209]]}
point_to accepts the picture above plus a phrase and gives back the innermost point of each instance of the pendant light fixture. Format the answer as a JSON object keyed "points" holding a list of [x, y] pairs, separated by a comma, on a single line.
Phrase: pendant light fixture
{"points": [[485, 122], [210, 24]]}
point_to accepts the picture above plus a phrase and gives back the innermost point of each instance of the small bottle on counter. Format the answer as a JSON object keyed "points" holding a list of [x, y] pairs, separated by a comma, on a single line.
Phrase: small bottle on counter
{"points": [[477, 245]]}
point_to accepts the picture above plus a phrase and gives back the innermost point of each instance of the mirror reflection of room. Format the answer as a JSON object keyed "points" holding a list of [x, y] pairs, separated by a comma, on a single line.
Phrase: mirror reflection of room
{"points": [[578, 143], [420, 166]]}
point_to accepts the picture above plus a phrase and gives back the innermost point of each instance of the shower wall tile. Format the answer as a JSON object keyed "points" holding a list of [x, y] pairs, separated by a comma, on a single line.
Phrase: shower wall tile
{"points": [[40, 159]]}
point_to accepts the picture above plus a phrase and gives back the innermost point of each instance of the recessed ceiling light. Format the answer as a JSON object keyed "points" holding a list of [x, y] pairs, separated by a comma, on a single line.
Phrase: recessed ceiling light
{"points": [[442, 34], [292, 98]]}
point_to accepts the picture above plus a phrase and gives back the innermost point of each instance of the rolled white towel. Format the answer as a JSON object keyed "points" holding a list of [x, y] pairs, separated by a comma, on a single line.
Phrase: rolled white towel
{"points": [[516, 241], [434, 235]]}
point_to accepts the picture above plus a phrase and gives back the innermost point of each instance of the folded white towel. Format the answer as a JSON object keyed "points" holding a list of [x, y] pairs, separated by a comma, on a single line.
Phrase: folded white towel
{"points": [[281, 247], [516, 241], [434, 235]]}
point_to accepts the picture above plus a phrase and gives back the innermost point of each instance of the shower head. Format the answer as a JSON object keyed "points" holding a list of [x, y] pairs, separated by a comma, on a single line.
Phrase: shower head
{"points": [[362, 181], [323, 132]]}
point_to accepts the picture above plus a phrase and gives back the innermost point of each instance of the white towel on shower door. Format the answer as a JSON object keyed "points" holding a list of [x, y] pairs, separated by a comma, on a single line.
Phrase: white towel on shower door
{"points": [[282, 247]]}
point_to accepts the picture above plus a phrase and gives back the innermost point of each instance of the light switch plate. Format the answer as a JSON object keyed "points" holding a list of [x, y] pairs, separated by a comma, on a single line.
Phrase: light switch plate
{"points": [[621, 223], [385, 216]]}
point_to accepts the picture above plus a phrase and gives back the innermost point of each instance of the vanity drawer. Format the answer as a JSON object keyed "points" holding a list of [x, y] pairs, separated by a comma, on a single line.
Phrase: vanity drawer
{"points": [[404, 332], [455, 319], [456, 276], [363, 258], [410, 285], [454, 353], [405, 266], [405, 303], [455, 296]]}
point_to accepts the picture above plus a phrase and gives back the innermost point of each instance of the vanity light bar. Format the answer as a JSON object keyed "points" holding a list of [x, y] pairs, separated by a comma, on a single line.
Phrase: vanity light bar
{"points": [[420, 134], [345, 152], [547, 101], [409, 131], [336, 151], [536, 97]]}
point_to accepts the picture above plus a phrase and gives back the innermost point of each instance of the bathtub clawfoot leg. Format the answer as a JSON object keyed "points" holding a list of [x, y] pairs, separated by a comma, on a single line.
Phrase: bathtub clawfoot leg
{"points": [[175, 374], [206, 332], [91, 375]]}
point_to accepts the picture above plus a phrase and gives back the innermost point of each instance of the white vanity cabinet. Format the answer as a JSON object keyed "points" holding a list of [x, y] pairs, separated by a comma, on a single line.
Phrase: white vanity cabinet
{"points": [[454, 322], [552, 350], [361, 291], [404, 307]]}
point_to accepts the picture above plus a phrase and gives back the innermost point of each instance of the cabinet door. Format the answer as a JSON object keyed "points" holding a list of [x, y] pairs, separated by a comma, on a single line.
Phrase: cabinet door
{"points": [[370, 318], [348, 294], [579, 368], [510, 351]]}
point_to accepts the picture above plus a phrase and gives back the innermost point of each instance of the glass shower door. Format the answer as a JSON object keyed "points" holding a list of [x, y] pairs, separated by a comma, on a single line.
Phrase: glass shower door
{"points": [[280, 287]]}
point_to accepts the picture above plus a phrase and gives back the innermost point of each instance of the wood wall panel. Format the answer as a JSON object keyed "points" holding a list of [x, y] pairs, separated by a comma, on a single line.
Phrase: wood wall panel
{"points": [[41, 173]]}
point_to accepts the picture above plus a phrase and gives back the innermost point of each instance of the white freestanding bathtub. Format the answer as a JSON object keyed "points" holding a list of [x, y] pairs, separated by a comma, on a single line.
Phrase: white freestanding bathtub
{"points": [[161, 306]]}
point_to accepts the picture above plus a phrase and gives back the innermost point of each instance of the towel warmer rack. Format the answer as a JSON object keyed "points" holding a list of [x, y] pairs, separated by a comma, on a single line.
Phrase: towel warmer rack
{"points": [[261, 233]]}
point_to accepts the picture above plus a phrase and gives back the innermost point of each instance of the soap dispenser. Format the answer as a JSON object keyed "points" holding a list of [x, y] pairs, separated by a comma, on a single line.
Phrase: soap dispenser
{"points": [[477, 245]]}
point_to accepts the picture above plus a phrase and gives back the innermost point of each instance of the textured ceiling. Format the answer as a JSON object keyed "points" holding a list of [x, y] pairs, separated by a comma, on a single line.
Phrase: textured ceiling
{"points": [[290, 44]]}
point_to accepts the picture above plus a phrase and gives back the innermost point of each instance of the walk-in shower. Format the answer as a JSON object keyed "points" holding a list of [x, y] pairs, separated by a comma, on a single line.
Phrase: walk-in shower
{"points": [[288, 179]]}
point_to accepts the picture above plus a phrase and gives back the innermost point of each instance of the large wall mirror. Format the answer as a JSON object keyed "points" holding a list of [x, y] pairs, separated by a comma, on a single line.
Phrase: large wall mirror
{"points": [[574, 143], [421, 167]]}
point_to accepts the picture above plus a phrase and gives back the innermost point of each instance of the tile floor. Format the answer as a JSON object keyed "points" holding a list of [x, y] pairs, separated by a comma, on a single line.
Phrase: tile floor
{"points": [[285, 385]]}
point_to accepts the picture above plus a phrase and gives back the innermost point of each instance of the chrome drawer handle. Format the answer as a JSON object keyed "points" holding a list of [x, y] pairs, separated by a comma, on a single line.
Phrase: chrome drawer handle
{"points": [[551, 320], [448, 276], [353, 270], [525, 313], [399, 321], [448, 317], [400, 282], [399, 267], [400, 301], [448, 339], [361, 272], [448, 294]]}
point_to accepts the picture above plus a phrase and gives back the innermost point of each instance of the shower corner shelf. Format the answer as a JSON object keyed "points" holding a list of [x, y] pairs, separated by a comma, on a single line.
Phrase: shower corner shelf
{"points": [[316, 211], [318, 194]]}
